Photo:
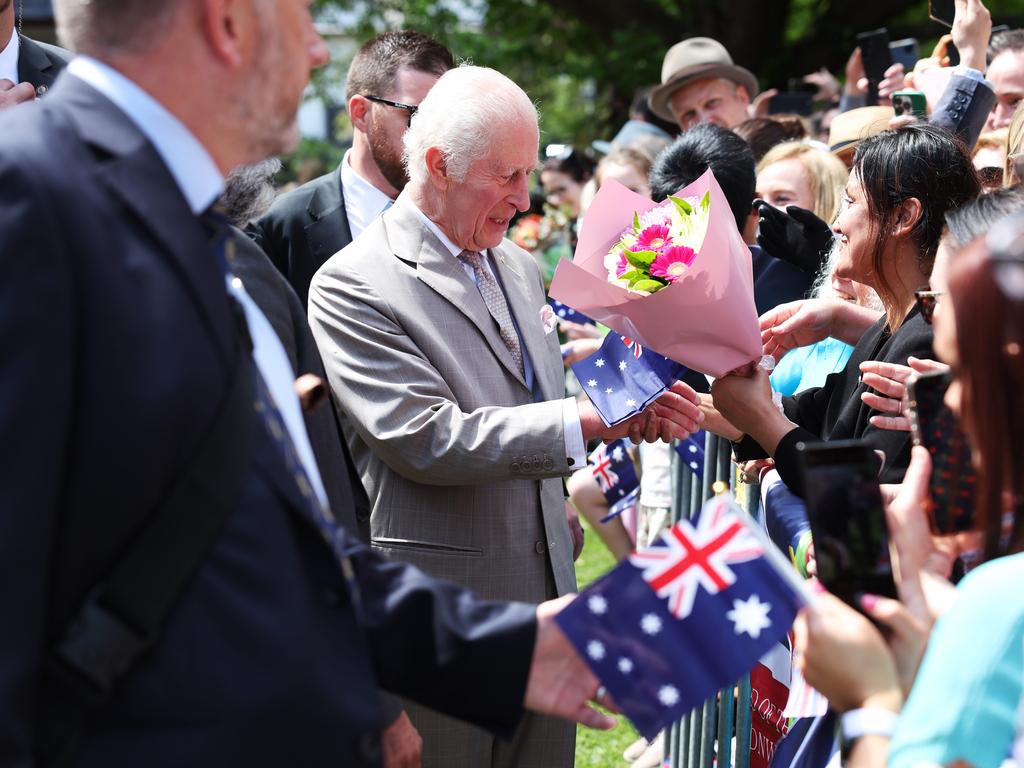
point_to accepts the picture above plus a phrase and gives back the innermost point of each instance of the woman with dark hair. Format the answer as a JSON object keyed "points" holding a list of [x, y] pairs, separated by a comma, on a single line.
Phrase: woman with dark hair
{"points": [[563, 176], [964, 702], [902, 184]]}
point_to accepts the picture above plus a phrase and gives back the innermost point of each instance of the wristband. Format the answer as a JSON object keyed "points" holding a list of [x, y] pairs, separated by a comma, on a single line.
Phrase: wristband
{"points": [[873, 721]]}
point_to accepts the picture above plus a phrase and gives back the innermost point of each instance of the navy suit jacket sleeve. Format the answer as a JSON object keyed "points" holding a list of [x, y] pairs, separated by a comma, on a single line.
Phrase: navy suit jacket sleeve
{"points": [[964, 107]]}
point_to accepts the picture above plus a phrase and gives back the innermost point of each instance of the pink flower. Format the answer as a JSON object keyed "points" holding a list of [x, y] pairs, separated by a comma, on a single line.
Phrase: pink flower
{"points": [[671, 264], [654, 238], [623, 266]]}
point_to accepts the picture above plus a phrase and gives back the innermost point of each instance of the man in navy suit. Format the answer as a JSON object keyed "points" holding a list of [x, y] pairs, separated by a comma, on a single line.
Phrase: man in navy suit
{"points": [[118, 341], [27, 67]]}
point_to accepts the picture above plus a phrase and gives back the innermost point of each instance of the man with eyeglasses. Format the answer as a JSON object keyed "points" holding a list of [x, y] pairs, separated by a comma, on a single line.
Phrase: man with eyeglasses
{"points": [[389, 76]]}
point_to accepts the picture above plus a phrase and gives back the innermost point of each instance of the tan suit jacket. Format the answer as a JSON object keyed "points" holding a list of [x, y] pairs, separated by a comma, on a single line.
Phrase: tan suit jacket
{"points": [[461, 461]]}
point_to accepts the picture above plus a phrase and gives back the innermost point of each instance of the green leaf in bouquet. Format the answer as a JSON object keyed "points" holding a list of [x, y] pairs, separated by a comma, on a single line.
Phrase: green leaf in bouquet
{"points": [[640, 259], [684, 207], [648, 285], [633, 274], [705, 203], [636, 221]]}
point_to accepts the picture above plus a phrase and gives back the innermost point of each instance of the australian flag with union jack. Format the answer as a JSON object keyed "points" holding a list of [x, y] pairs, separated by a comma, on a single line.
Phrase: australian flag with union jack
{"points": [[615, 473], [673, 624]]}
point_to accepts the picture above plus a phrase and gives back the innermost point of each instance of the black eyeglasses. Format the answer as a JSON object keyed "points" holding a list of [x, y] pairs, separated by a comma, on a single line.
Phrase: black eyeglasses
{"points": [[926, 301], [396, 104]]}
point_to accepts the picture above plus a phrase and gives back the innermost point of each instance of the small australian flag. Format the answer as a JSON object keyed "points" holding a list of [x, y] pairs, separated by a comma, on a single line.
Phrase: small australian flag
{"points": [[691, 451], [565, 312], [673, 624], [615, 474], [622, 378]]}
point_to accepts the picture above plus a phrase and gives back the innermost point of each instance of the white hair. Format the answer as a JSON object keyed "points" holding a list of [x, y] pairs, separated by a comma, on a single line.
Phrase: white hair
{"points": [[462, 116]]}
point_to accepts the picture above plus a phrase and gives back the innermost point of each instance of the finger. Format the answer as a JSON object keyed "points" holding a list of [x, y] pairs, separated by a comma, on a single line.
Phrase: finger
{"points": [[591, 718], [891, 613], [636, 432], [685, 391], [891, 423], [918, 474], [893, 371], [886, 405], [651, 427], [888, 387], [923, 365]]}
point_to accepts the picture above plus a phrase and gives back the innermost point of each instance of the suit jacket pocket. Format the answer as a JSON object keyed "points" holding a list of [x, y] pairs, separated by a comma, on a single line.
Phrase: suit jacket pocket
{"points": [[428, 547]]}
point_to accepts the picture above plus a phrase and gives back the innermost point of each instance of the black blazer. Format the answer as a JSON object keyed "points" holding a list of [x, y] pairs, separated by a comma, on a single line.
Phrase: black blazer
{"points": [[40, 63], [835, 411], [116, 343], [303, 229]]}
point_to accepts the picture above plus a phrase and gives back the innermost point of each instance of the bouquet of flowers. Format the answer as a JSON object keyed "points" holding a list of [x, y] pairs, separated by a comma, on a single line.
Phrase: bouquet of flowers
{"points": [[675, 276], [660, 246]]}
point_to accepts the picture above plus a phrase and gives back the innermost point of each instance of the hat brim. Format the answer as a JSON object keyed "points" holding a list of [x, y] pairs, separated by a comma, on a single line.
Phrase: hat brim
{"points": [[659, 97]]}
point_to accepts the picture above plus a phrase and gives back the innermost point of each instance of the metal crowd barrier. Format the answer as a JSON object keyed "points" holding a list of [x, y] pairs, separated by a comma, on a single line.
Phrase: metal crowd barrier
{"points": [[704, 738]]}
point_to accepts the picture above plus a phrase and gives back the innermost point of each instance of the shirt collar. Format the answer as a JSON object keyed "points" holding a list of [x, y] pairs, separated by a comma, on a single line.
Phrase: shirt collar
{"points": [[445, 240], [369, 196], [9, 59], [191, 166]]}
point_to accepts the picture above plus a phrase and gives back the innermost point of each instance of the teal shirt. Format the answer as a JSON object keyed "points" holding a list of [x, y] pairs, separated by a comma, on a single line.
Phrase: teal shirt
{"points": [[964, 703], [806, 367]]}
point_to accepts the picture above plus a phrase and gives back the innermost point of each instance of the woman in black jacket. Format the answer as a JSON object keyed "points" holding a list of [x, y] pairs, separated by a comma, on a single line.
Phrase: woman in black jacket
{"points": [[902, 184]]}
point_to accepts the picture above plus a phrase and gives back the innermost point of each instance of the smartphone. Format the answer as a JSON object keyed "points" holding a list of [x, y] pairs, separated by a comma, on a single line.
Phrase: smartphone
{"points": [[877, 58], [953, 480], [942, 11], [791, 103], [844, 508], [910, 103], [905, 52]]}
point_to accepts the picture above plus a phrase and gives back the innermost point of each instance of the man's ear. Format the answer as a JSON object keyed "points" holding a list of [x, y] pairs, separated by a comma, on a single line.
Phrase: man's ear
{"points": [[230, 29], [359, 111], [742, 94], [910, 214], [437, 169]]}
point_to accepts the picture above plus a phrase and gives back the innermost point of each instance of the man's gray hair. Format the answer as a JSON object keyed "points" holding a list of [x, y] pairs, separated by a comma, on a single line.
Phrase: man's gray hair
{"points": [[249, 191], [463, 115], [111, 26]]}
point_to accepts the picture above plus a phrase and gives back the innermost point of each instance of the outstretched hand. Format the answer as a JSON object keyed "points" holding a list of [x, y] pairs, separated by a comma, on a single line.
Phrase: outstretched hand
{"points": [[560, 682], [674, 416]]}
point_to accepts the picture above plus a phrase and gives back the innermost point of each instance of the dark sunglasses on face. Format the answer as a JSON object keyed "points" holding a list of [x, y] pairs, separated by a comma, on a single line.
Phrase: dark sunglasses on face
{"points": [[396, 104]]}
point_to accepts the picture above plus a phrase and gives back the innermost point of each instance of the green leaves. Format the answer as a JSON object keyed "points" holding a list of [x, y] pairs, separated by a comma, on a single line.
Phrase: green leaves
{"points": [[648, 285], [640, 259], [684, 207]]}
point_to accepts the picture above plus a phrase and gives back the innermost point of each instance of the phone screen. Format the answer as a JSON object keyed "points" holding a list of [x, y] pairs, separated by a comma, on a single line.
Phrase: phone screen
{"points": [[844, 507], [953, 479], [905, 52], [941, 11], [791, 103]]}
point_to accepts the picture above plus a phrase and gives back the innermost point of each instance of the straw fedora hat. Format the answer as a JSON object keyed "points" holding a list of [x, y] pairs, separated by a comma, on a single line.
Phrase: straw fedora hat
{"points": [[699, 58], [850, 128]]}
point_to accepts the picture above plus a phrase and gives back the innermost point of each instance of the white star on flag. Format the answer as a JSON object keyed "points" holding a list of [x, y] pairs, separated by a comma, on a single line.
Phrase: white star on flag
{"points": [[622, 365], [617, 453], [561, 313], [625, 665], [592, 383], [668, 695], [631, 402], [749, 616], [650, 624], [608, 390], [597, 604], [595, 650], [599, 362]]}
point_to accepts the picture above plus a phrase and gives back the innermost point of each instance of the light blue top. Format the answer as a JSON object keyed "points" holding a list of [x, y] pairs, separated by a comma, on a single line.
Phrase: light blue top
{"points": [[806, 367], [964, 703]]}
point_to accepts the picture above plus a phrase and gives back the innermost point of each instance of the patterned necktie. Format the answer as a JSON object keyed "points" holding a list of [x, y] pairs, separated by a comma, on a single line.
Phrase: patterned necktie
{"points": [[496, 305], [220, 237]]}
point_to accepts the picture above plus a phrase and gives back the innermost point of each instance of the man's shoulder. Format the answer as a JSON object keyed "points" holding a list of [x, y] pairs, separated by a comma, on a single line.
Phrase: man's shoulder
{"points": [[56, 54], [296, 202]]}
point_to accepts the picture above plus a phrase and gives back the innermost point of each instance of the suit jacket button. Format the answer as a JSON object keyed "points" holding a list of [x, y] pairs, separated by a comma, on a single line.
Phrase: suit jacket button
{"points": [[539, 547], [548, 464], [368, 747], [536, 464]]}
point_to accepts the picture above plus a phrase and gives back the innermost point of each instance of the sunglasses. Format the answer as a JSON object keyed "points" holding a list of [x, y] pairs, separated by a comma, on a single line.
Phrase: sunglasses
{"points": [[396, 104], [926, 301]]}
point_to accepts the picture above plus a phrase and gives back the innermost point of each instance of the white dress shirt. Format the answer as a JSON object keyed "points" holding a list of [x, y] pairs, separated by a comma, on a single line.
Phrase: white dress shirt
{"points": [[363, 201], [575, 447], [201, 183], [9, 59]]}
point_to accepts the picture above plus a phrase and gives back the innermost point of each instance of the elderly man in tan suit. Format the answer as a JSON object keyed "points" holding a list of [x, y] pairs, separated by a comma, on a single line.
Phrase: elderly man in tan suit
{"points": [[449, 383]]}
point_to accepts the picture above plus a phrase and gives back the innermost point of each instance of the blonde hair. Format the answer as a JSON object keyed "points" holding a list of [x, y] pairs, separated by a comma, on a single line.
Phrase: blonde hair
{"points": [[828, 174], [1014, 146]]}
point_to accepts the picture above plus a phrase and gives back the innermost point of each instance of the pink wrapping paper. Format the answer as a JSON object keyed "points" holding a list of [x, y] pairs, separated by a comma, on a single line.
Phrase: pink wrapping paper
{"points": [[706, 320]]}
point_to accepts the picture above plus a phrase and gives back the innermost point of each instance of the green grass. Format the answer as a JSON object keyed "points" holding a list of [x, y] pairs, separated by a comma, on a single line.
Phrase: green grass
{"points": [[599, 749]]}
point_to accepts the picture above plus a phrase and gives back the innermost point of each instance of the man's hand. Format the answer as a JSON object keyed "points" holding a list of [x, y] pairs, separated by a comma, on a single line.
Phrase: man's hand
{"points": [[577, 349], [560, 683], [972, 27], [828, 86], [674, 416], [401, 744], [11, 94]]}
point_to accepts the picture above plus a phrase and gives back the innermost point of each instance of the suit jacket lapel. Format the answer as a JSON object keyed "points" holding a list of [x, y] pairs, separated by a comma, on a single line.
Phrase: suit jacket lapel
{"points": [[528, 320], [410, 240], [328, 231], [131, 168], [35, 67]]}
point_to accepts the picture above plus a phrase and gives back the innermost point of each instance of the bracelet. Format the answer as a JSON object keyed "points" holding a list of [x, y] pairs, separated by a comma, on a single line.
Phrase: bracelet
{"points": [[873, 721]]}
